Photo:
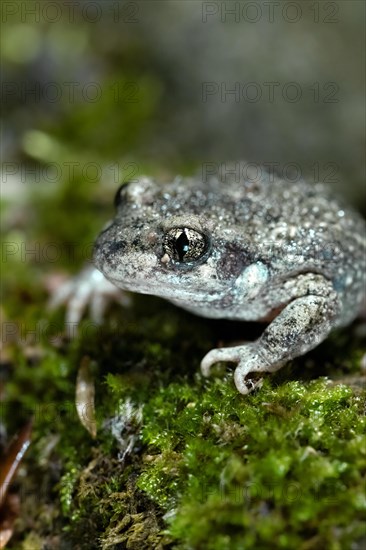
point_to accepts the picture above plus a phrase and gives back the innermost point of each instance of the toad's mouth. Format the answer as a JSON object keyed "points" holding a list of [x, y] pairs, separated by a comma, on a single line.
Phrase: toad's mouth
{"points": [[169, 290]]}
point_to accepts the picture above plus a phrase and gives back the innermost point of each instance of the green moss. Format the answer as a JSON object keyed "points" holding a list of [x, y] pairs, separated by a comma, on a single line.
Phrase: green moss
{"points": [[179, 461], [285, 461], [207, 467]]}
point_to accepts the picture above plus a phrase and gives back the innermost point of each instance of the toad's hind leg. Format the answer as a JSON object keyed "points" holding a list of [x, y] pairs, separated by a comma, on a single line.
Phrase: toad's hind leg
{"points": [[300, 327]]}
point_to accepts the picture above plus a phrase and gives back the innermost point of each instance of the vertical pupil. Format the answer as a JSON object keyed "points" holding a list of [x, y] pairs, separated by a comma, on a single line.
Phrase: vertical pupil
{"points": [[182, 245]]}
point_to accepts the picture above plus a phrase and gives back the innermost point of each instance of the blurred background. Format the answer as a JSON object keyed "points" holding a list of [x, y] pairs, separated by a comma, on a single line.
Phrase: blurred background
{"points": [[95, 91]]}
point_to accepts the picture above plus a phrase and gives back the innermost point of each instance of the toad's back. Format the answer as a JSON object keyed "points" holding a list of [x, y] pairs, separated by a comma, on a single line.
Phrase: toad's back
{"points": [[296, 228]]}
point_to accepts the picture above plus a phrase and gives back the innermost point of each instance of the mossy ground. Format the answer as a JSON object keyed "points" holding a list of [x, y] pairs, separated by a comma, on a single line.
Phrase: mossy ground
{"points": [[207, 468]]}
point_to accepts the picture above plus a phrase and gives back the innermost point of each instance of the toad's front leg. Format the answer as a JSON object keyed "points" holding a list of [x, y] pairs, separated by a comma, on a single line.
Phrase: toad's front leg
{"points": [[301, 326]]}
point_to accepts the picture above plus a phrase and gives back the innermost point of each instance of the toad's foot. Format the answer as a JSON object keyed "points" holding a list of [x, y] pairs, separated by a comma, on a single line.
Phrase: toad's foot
{"points": [[300, 326], [248, 360], [89, 289]]}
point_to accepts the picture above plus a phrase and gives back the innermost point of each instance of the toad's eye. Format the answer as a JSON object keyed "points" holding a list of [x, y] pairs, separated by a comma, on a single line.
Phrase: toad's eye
{"points": [[184, 245], [121, 194]]}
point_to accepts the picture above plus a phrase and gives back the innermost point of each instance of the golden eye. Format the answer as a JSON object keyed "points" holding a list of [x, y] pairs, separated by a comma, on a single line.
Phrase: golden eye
{"points": [[184, 245]]}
